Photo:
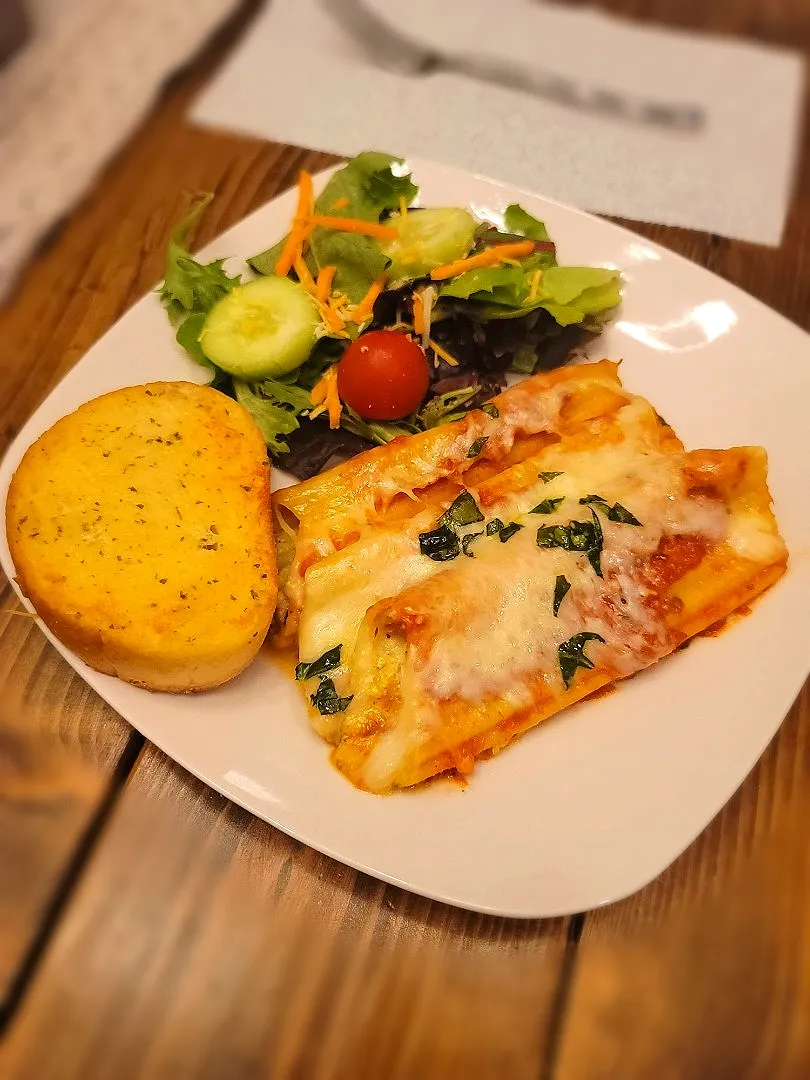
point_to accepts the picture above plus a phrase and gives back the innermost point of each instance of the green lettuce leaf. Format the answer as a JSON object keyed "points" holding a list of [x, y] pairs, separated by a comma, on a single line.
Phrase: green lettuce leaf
{"points": [[359, 261], [376, 431], [275, 407], [188, 338], [519, 221], [571, 294], [372, 185], [575, 294], [494, 284], [364, 188], [190, 286], [445, 408]]}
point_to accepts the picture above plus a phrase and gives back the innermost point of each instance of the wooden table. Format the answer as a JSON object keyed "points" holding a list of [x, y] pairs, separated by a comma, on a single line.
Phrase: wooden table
{"points": [[150, 929]]}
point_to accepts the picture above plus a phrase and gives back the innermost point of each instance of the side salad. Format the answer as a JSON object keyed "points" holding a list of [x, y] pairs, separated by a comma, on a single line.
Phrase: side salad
{"points": [[374, 318]]}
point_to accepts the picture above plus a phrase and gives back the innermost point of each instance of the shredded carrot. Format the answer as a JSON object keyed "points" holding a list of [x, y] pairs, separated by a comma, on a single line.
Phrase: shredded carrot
{"points": [[354, 225], [332, 318], [418, 314], [451, 360], [325, 397], [341, 203], [304, 276], [490, 257], [365, 309], [325, 278], [318, 394], [287, 256], [295, 241]]}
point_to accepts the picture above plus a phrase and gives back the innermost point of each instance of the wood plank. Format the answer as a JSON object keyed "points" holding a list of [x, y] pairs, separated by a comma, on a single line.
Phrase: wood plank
{"points": [[60, 747], [705, 974], [214, 946]]}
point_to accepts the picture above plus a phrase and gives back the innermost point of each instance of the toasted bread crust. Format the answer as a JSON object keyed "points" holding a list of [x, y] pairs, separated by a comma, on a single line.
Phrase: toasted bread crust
{"points": [[140, 530]]}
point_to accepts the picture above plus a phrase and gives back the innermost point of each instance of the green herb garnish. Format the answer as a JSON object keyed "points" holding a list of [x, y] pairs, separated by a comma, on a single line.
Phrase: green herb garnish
{"points": [[548, 506], [572, 656], [617, 512], [439, 544], [508, 531], [326, 699], [466, 540], [329, 660], [490, 410], [477, 446], [561, 587], [620, 513], [463, 510], [494, 526], [584, 537], [547, 477], [442, 543]]}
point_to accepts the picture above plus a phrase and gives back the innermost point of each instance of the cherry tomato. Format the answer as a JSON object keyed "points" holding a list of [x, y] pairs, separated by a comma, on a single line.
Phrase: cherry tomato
{"points": [[383, 375]]}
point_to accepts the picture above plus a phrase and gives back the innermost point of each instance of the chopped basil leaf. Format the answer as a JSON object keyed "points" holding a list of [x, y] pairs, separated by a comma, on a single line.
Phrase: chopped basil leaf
{"points": [[620, 513], [572, 656], [329, 660], [466, 540], [462, 511], [561, 587], [442, 543], [546, 477], [477, 446], [326, 700], [491, 410], [508, 531], [548, 506], [549, 536], [494, 526], [617, 512], [595, 553], [584, 537], [439, 544]]}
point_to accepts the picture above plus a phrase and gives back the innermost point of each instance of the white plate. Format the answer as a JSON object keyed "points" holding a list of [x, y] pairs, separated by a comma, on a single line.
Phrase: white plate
{"points": [[590, 806]]}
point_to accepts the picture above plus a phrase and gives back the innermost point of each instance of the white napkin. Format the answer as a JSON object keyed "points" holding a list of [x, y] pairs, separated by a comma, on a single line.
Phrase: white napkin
{"points": [[299, 77], [74, 94]]}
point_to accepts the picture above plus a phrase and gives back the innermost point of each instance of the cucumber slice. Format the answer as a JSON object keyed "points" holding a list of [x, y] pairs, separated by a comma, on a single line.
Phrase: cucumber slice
{"points": [[261, 329], [427, 239]]}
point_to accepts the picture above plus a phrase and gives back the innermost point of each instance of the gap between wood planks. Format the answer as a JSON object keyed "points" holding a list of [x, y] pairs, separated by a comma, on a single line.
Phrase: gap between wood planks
{"points": [[559, 1005], [66, 886]]}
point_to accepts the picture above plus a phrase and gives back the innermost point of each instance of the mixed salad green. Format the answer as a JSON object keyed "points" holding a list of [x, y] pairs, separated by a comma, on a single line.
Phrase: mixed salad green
{"points": [[374, 318]]}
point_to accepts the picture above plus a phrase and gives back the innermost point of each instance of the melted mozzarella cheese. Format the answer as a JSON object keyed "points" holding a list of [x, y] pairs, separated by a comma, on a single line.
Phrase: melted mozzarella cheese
{"points": [[336, 592], [340, 589], [513, 632], [751, 536]]}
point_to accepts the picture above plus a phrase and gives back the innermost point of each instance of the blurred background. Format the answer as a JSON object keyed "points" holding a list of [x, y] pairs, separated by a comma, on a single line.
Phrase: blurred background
{"points": [[603, 106]]}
